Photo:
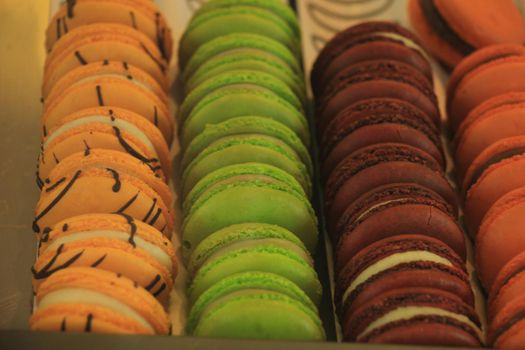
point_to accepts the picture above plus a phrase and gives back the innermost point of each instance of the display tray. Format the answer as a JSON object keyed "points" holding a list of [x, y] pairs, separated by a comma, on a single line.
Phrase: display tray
{"points": [[22, 43]]}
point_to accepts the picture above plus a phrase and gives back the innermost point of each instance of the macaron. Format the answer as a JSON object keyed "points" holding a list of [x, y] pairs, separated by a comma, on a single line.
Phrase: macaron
{"points": [[241, 254], [126, 184], [259, 80], [376, 79], [395, 209], [381, 164], [452, 30], [142, 15], [246, 125], [485, 129], [247, 59], [95, 86], [104, 41], [488, 73], [235, 235], [506, 329], [235, 43], [494, 182], [400, 262], [255, 305], [416, 316], [277, 7], [508, 286], [222, 201], [111, 128], [212, 23], [499, 238], [85, 299], [367, 41], [112, 242], [238, 149], [379, 120], [237, 101]]}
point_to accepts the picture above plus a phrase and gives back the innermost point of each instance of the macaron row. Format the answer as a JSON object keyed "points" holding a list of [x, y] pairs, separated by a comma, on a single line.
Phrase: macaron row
{"points": [[486, 106], [104, 218], [249, 230], [399, 251]]}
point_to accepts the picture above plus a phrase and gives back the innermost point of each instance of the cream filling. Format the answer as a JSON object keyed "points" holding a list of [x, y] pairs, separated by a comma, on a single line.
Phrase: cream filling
{"points": [[156, 252], [119, 123], [379, 205], [282, 243], [85, 296], [244, 50], [406, 41], [391, 261], [405, 313]]}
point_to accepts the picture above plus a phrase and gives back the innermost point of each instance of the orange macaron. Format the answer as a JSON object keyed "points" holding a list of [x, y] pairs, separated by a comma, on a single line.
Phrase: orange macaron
{"points": [[107, 128], [84, 299], [110, 242], [143, 15], [104, 181]]}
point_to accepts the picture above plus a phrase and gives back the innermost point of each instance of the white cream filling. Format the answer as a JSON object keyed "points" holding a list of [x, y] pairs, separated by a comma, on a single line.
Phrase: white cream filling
{"points": [[85, 296], [391, 261], [148, 247], [262, 242], [405, 313], [379, 205], [406, 41], [119, 123]]}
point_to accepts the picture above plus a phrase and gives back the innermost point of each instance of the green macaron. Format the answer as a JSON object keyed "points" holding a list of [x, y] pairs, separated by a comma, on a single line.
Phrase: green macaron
{"points": [[260, 315], [235, 235], [255, 79], [278, 7], [238, 149], [246, 59], [234, 101], [274, 256], [249, 283], [244, 19], [251, 170], [234, 43], [246, 125], [249, 198]]}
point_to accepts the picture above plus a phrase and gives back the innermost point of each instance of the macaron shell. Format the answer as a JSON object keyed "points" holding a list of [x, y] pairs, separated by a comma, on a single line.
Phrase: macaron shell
{"points": [[246, 125], [499, 238], [433, 42], [508, 289], [489, 80], [140, 14], [109, 91], [99, 42], [509, 319], [271, 317], [263, 258], [492, 21], [80, 192], [110, 255], [237, 102], [111, 285], [493, 126], [84, 318], [496, 181], [272, 204]]}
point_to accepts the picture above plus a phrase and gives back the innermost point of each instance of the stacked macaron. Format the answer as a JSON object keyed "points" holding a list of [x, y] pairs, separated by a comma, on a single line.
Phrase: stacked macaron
{"points": [[399, 252], [486, 108], [104, 220], [453, 29], [249, 229]]}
